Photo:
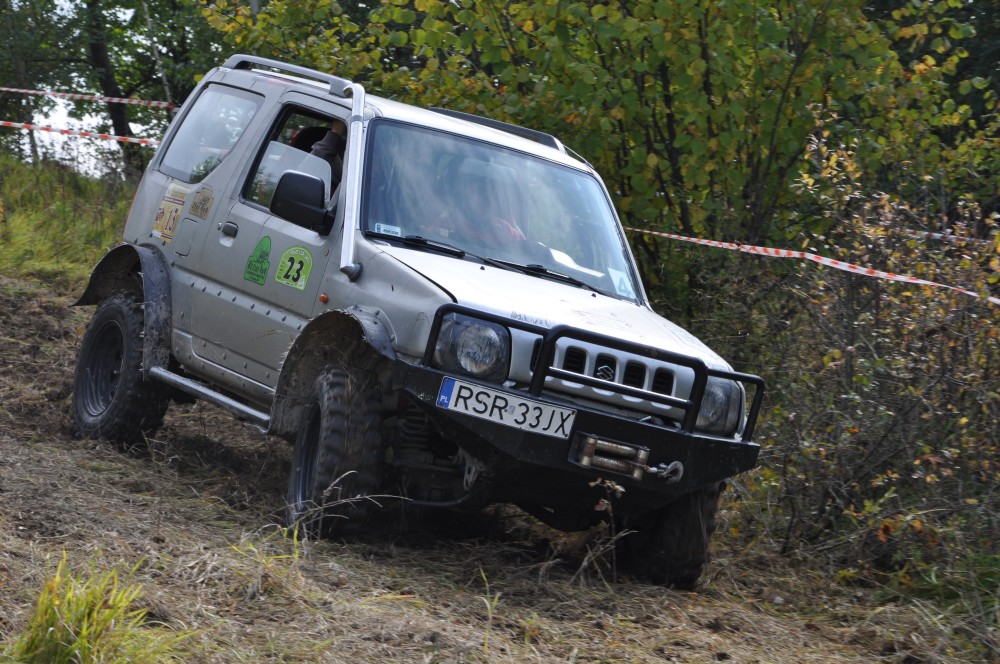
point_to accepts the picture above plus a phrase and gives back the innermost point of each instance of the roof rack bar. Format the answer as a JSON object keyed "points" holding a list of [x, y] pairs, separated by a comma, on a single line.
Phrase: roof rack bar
{"points": [[523, 132], [338, 85]]}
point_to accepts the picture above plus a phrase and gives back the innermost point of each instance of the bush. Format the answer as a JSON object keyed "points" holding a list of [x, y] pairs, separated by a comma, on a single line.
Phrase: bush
{"points": [[880, 457]]}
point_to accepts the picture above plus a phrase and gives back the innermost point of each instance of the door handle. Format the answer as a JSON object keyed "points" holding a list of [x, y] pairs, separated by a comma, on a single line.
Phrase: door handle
{"points": [[229, 229]]}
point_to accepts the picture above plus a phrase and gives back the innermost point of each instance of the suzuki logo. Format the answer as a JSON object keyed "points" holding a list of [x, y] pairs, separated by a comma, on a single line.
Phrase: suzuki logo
{"points": [[604, 372]]}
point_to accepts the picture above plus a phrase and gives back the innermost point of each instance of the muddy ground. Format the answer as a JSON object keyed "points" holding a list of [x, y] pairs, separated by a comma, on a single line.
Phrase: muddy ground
{"points": [[196, 516]]}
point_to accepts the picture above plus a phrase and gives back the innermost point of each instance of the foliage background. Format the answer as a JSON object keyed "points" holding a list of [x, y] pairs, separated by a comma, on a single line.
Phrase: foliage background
{"points": [[867, 132]]}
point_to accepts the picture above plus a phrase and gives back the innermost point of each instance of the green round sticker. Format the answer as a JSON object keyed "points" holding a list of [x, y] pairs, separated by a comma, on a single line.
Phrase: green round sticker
{"points": [[294, 268]]}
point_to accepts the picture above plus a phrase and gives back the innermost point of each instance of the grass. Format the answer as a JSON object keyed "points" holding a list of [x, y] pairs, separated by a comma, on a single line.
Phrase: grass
{"points": [[56, 223], [189, 524], [491, 600], [82, 619], [212, 566]]}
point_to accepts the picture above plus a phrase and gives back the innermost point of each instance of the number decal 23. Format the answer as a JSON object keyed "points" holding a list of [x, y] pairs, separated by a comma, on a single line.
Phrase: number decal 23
{"points": [[295, 265], [294, 271]]}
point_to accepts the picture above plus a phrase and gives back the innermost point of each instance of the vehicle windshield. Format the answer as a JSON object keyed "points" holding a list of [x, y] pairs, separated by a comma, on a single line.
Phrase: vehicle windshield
{"points": [[494, 203]]}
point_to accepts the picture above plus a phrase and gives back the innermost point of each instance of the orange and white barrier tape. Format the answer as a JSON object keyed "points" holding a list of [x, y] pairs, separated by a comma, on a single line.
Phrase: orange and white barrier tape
{"points": [[78, 96], [77, 132], [940, 237], [731, 246], [822, 260]]}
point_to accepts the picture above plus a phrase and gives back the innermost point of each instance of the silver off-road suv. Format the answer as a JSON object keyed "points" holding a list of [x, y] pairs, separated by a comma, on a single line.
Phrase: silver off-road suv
{"points": [[429, 304]]}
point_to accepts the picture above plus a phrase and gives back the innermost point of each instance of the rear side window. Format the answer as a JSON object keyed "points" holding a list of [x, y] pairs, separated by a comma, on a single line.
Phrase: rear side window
{"points": [[208, 133]]}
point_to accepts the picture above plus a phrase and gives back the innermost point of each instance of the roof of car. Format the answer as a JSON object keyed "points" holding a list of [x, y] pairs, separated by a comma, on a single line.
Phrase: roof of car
{"points": [[424, 117], [321, 85]]}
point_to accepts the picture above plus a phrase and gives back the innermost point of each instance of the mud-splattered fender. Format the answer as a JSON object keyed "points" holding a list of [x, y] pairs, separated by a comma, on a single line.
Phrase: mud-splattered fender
{"points": [[349, 337], [117, 271]]}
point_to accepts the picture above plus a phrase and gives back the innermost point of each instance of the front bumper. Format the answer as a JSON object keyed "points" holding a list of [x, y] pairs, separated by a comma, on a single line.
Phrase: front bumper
{"points": [[533, 468]]}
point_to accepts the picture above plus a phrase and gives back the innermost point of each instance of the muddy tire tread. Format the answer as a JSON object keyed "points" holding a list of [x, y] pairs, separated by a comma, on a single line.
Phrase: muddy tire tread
{"points": [[123, 407]]}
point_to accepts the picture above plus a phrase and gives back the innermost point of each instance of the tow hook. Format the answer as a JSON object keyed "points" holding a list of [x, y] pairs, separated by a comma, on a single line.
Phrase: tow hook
{"points": [[668, 472], [472, 469]]}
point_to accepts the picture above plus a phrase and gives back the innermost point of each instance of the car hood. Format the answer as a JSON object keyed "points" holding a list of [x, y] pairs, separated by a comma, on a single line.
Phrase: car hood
{"points": [[548, 303]]}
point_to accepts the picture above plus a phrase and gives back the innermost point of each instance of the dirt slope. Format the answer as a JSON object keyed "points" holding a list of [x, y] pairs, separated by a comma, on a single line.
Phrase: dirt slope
{"points": [[196, 516]]}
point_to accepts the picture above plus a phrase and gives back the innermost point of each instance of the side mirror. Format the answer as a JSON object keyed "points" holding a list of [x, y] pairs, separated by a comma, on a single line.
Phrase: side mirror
{"points": [[299, 199]]}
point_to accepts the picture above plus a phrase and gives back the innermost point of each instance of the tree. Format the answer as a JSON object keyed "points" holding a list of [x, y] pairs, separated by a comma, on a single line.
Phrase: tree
{"points": [[697, 113], [834, 126], [30, 32], [149, 49]]}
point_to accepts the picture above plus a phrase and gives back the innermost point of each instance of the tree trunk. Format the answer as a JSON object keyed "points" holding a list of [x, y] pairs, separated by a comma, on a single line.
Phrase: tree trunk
{"points": [[104, 69], [26, 112], [28, 109]]}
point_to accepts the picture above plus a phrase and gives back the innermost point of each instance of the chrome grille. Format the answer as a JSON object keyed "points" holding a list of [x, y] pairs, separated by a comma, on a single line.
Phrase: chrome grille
{"points": [[575, 360], [626, 370], [663, 382], [635, 375]]}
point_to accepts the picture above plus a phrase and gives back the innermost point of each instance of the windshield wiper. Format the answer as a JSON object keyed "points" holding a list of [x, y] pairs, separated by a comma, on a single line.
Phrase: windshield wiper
{"points": [[542, 271], [420, 241]]}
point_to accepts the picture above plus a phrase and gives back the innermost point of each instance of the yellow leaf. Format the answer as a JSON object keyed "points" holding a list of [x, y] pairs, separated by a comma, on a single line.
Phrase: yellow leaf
{"points": [[884, 531], [652, 160], [529, 26]]}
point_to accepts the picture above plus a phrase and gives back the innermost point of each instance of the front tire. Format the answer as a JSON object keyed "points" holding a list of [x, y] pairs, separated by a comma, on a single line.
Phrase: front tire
{"points": [[111, 399], [337, 462], [671, 545]]}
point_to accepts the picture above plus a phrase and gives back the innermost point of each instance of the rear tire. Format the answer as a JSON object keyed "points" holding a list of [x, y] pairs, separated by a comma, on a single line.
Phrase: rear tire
{"points": [[671, 545], [111, 399], [338, 458]]}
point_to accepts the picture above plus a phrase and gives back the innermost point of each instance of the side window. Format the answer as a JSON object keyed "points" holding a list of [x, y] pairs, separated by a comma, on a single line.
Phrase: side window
{"points": [[209, 131], [303, 142]]}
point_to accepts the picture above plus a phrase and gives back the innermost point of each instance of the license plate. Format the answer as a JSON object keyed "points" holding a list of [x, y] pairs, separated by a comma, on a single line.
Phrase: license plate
{"points": [[505, 408]]}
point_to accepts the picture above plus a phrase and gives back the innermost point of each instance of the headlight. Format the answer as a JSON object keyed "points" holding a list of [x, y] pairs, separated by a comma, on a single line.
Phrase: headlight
{"points": [[473, 347], [721, 407]]}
